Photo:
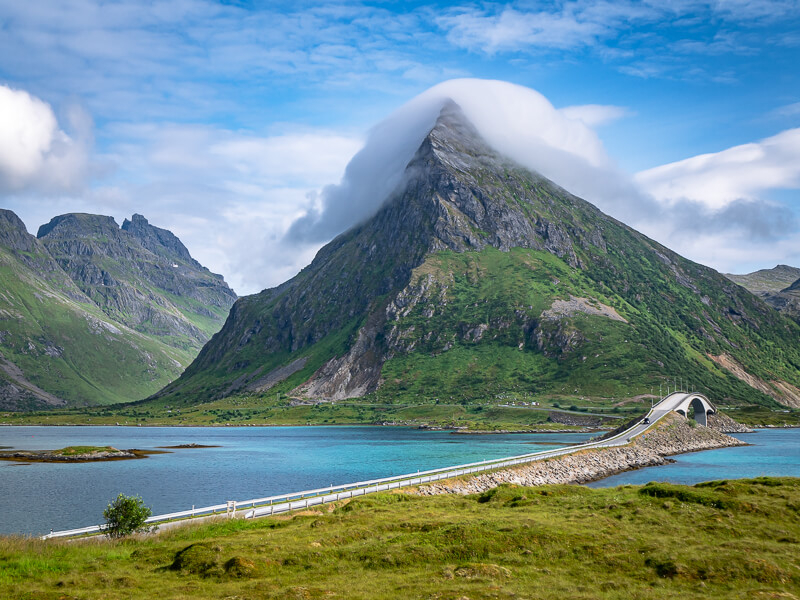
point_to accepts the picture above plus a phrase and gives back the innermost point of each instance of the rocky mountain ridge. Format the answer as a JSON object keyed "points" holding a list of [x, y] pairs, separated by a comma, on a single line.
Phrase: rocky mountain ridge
{"points": [[139, 275]]}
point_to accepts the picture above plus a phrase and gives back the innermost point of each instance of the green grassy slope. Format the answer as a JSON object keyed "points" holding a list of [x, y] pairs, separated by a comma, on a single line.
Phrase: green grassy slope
{"points": [[67, 346], [734, 539], [579, 354]]}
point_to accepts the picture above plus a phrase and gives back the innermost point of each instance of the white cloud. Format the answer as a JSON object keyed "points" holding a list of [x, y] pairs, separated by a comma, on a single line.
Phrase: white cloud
{"points": [[788, 110], [718, 179], [594, 115], [679, 39], [746, 10], [512, 29], [719, 208], [34, 151], [576, 24], [517, 121], [229, 195], [195, 59], [568, 25]]}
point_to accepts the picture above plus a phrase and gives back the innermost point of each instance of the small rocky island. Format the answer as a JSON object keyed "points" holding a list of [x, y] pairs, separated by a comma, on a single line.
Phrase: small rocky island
{"points": [[75, 454]]}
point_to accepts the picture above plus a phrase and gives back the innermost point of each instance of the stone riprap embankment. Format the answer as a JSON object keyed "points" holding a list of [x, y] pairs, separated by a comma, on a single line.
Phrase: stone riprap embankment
{"points": [[726, 425], [672, 435]]}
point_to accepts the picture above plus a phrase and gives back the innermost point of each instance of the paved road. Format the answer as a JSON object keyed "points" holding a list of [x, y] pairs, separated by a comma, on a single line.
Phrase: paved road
{"points": [[661, 409]]}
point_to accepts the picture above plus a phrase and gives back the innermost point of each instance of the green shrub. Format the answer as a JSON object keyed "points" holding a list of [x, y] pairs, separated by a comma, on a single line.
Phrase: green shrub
{"points": [[126, 515]]}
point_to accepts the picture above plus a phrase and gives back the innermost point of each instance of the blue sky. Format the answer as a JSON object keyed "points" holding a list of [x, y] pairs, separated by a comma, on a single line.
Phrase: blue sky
{"points": [[224, 121]]}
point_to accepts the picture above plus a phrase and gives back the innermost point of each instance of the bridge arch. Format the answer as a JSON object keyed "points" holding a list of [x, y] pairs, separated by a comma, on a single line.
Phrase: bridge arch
{"points": [[697, 404]]}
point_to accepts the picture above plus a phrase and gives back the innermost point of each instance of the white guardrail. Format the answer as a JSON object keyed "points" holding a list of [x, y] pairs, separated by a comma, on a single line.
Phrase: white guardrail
{"points": [[272, 505]]}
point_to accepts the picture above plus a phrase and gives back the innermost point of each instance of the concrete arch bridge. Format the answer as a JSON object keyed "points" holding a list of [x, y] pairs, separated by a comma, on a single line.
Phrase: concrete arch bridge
{"points": [[690, 404]]}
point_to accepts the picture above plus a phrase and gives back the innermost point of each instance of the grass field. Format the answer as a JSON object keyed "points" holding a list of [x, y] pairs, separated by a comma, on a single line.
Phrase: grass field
{"points": [[730, 539]]}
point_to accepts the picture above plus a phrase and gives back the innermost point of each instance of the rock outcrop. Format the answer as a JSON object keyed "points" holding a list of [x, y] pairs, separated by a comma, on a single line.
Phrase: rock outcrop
{"points": [[672, 435], [725, 424]]}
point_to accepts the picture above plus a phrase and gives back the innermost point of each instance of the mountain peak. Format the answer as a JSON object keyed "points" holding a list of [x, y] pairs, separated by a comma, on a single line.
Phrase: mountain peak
{"points": [[454, 137], [78, 224], [13, 233], [159, 241], [10, 219]]}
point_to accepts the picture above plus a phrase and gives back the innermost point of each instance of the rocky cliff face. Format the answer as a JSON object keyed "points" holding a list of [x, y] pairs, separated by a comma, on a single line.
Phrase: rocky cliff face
{"points": [[24, 247], [139, 275], [478, 277], [159, 241]]}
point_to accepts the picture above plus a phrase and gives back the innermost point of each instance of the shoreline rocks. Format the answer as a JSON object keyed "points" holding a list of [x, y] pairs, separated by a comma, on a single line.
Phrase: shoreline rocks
{"points": [[672, 435], [725, 424]]}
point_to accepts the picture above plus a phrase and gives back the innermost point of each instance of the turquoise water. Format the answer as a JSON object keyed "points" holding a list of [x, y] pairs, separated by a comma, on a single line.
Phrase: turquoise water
{"points": [[252, 462], [773, 452]]}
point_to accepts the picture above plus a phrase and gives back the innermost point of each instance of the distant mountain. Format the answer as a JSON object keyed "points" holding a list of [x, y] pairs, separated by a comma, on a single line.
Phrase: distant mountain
{"points": [[62, 341], [779, 287], [478, 278], [767, 280], [141, 276]]}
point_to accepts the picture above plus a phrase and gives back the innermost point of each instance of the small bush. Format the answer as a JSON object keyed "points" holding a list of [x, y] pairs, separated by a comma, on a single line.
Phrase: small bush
{"points": [[126, 515]]}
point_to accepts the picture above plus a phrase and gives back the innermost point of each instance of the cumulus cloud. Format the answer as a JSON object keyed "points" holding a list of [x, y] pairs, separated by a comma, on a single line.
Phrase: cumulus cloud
{"points": [[743, 172], [34, 151], [719, 208]]}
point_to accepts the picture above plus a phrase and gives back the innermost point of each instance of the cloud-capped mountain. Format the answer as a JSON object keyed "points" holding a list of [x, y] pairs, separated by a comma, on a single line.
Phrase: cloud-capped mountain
{"points": [[94, 314], [478, 276]]}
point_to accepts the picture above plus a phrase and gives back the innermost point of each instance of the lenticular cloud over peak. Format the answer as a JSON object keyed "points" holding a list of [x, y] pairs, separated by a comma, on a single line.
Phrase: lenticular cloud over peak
{"points": [[518, 122]]}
